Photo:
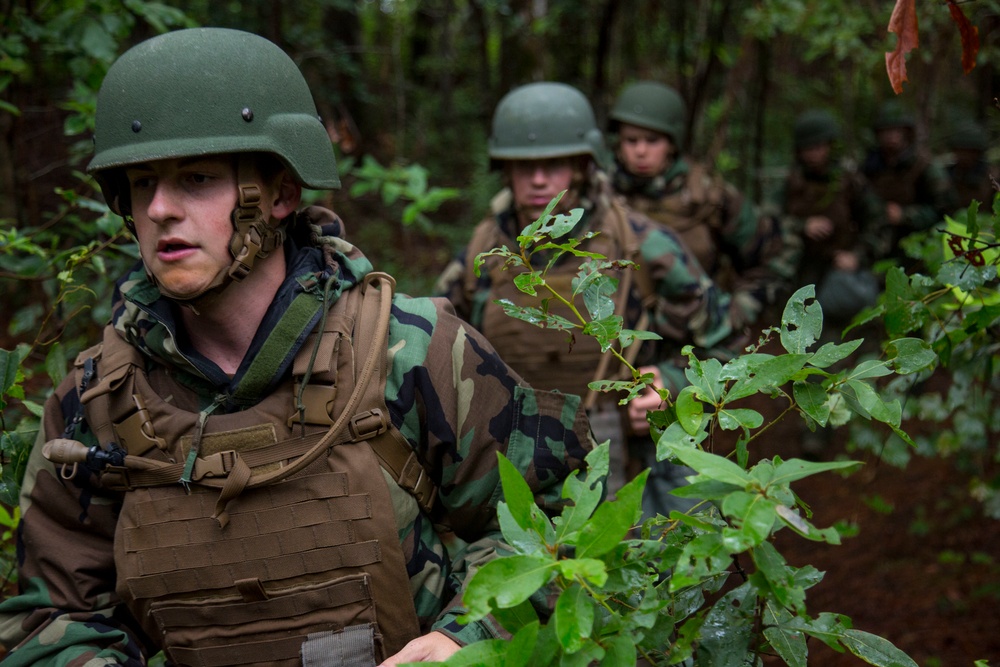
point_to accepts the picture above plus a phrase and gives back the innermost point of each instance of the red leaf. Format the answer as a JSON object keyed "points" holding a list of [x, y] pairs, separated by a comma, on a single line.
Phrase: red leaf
{"points": [[903, 22], [970, 36]]}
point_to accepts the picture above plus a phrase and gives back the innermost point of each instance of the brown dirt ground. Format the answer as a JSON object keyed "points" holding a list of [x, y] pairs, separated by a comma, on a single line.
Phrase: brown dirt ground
{"points": [[924, 574]]}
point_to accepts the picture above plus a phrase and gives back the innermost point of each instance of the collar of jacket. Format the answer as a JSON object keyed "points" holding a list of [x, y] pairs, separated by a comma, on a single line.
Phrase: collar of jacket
{"points": [[321, 265], [656, 187]]}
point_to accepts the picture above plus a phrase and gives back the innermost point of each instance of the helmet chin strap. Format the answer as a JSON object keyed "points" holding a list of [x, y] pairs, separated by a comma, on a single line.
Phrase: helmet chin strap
{"points": [[253, 238]]}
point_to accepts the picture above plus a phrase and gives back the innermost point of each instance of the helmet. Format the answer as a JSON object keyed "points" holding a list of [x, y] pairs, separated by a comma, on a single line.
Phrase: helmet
{"points": [[206, 91], [968, 135], [816, 126], [651, 105], [544, 120], [893, 114]]}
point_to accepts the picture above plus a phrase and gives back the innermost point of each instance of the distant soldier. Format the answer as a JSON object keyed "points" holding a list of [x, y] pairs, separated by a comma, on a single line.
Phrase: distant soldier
{"points": [[969, 172], [545, 140], [836, 212], [745, 252], [916, 191]]}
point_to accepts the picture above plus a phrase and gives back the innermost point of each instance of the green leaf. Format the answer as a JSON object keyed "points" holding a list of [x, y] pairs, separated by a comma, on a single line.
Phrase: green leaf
{"points": [[522, 540], [573, 618], [55, 364], [910, 355], [831, 353], [527, 282], [509, 580], [597, 297], [591, 570], [789, 644], [612, 520], [733, 418], [875, 650], [486, 652], [811, 397], [620, 652], [801, 321], [752, 513], [9, 369], [689, 410], [786, 472], [605, 331], [516, 492], [711, 465]]}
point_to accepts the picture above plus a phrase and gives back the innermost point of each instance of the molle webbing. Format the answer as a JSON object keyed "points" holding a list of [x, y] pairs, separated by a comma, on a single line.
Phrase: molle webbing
{"points": [[117, 410]]}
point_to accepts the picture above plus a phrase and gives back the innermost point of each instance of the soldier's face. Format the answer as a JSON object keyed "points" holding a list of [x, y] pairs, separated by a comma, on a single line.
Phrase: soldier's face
{"points": [[644, 152], [181, 209], [535, 183], [815, 157]]}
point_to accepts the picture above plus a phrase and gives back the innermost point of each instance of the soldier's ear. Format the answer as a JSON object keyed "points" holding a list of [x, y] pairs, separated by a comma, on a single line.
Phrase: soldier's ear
{"points": [[287, 196]]}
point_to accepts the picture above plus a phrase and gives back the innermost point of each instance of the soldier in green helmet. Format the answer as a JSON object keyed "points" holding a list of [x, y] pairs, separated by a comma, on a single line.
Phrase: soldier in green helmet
{"points": [[269, 459], [745, 252], [970, 173], [837, 215], [545, 140], [915, 190]]}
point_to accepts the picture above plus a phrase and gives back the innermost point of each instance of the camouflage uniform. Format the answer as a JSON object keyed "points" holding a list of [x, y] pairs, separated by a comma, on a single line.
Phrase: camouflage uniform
{"points": [[911, 179], [68, 611], [746, 253], [683, 305]]}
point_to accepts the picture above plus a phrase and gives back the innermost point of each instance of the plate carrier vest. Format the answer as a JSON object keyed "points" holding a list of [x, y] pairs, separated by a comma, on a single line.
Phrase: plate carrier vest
{"points": [[545, 357], [283, 539]]}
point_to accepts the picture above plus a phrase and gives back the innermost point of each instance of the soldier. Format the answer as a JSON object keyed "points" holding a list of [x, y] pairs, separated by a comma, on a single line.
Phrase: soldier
{"points": [[836, 213], [915, 190], [270, 459], [969, 172], [545, 140], [745, 252]]}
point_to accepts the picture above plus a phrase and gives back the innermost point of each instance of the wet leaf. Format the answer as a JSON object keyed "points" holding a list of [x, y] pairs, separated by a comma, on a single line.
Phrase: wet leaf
{"points": [[903, 22]]}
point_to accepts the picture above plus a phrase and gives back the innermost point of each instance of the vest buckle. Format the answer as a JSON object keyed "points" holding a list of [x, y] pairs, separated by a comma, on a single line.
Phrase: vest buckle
{"points": [[367, 425], [214, 465]]}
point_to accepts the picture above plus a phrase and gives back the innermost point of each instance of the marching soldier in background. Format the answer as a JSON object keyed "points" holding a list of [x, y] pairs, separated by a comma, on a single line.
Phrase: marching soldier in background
{"points": [[746, 253], [545, 140], [916, 191], [969, 172]]}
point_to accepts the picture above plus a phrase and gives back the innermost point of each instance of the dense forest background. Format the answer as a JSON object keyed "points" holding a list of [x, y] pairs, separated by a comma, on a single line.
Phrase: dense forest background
{"points": [[415, 83]]}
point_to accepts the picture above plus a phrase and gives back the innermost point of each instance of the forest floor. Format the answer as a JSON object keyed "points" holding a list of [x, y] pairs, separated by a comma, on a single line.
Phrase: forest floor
{"points": [[923, 570]]}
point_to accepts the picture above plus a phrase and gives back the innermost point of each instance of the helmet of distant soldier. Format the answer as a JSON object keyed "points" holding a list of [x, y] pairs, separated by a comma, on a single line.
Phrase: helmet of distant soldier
{"points": [[893, 114], [544, 120], [968, 135], [205, 91], [651, 105], [813, 127]]}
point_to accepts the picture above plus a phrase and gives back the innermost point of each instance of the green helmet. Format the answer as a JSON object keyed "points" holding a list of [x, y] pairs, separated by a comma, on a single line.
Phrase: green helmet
{"points": [[206, 91], [968, 135], [210, 91], [815, 126], [544, 120], [893, 114], [652, 105]]}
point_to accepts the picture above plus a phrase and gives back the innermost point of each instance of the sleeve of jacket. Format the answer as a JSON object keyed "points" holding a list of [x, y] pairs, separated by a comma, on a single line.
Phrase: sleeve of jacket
{"points": [[766, 251], [460, 405], [65, 612], [686, 307]]}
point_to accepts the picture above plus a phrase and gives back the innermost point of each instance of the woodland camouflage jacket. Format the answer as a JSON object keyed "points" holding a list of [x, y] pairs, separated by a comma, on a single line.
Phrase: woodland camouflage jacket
{"points": [[682, 303], [746, 252], [447, 391]]}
